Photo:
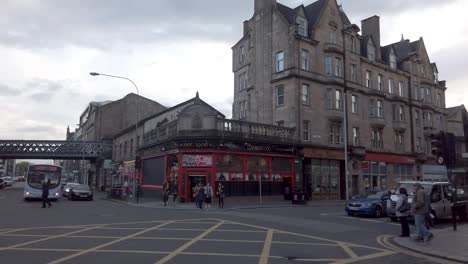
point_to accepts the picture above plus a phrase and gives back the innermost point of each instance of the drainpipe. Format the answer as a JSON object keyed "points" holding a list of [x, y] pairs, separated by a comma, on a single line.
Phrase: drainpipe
{"points": [[345, 117]]}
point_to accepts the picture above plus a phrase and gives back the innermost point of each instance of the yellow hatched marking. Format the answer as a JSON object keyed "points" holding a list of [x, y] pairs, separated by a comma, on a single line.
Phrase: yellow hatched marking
{"points": [[266, 248], [48, 238], [188, 244], [348, 250], [107, 244]]}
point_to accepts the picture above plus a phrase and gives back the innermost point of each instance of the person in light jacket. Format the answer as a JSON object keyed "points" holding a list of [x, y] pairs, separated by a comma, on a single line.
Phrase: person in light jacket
{"points": [[420, 209], [402, 211]]}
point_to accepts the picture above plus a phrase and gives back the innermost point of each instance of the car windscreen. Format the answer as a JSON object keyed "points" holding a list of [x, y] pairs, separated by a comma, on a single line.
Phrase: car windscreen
{"points": [[410, 188], [81, 187]]}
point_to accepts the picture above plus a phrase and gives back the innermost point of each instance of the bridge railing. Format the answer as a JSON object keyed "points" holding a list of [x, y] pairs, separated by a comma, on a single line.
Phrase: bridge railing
{"points": [[55, 149]]}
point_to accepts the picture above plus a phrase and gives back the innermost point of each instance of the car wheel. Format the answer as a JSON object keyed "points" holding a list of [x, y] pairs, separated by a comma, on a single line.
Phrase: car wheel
{"points": [[378, 212], [73, 197], [350, 214], [90, 198], [394, 219]]}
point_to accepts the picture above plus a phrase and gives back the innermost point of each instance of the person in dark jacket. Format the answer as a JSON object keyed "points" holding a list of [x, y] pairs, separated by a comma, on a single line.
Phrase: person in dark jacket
{"points": [[45, 194], [201, 196]]}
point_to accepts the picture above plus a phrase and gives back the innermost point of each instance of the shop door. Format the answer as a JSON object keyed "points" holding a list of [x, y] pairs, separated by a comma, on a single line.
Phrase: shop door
{"points": [[287, 188], [194, 180]]}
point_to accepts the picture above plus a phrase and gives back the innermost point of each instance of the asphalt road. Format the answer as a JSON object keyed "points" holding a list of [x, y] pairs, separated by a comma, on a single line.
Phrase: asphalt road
{"points": [[103, 231]]}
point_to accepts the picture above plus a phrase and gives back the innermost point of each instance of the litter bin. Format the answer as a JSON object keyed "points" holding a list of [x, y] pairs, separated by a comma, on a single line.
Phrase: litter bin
{"points": [[299, 198]]}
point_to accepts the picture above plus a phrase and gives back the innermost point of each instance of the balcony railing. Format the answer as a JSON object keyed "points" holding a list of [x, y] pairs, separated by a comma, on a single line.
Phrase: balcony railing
{"points": [[225, 128]]}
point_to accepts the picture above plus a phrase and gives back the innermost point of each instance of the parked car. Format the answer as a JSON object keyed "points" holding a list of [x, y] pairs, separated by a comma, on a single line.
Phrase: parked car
{"points": [[8, 181], [440, 194], [373, 204], [80, 192], [67, 188]]}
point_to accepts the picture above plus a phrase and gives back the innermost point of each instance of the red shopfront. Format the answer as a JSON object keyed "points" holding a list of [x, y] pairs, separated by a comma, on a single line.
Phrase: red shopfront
{"points": [[240, 173]]}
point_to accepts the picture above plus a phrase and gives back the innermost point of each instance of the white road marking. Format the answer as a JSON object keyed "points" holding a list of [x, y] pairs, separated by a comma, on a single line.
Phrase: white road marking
{"points": [[370, 220]]}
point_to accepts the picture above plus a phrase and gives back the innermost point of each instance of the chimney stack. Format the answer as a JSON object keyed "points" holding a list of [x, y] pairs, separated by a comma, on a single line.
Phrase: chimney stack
{"points": [[371, 27], [261, 5]]}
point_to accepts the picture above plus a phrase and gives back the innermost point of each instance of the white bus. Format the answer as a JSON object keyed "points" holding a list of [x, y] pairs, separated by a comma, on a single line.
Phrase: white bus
{"points": [[37, 174]]}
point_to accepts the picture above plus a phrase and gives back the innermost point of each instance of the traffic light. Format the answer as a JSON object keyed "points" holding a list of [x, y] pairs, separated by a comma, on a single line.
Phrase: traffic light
{"points": [[438, 147], [137, 162], [450, 150]]}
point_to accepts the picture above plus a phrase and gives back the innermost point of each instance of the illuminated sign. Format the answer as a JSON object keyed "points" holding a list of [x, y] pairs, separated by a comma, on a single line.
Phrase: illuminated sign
{"points": [[44, 168]]}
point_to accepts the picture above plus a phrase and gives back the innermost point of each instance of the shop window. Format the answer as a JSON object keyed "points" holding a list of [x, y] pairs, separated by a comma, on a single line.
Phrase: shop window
{"points": [[257, 164], [280, 165], [276, 177], [236, 176], [222, 176], [375, 176], [325, 176], [251, 177], [229, 162]]}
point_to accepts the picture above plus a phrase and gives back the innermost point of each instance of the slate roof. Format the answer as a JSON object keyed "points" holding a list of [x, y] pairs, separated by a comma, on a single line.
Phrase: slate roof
{"points": [[403, 49], [312, 12]]}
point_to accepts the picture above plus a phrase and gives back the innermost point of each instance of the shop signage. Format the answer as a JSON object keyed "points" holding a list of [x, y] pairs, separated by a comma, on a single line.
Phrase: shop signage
{"points": [[197, 160]]}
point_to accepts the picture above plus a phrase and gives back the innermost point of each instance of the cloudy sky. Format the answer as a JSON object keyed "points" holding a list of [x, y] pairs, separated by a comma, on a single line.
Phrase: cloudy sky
{"points": [[171, 49]]}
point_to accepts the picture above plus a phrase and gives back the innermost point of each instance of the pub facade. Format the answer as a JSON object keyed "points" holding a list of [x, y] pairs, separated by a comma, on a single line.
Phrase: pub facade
{"points": [[200, 145]]}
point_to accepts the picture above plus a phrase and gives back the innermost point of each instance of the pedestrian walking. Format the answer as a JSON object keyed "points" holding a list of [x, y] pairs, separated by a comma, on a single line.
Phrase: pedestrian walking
{"points": [[420, 209], [175, 192], [220, 194], [201, 196], [45, 193], [165, 193], [208, 195], [402, 211]]}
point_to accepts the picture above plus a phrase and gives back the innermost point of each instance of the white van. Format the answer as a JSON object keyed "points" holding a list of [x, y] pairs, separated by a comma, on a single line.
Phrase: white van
{"points": [[440, 194]]}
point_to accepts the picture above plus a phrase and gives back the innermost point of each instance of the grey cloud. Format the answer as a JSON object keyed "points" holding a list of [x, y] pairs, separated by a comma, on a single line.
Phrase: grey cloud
{"points": [[365, 8], [7, 90], [56, 23], [452, 62]]}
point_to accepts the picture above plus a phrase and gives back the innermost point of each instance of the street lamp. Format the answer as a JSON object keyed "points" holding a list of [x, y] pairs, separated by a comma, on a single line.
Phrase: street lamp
{"points": [[134, 188]]}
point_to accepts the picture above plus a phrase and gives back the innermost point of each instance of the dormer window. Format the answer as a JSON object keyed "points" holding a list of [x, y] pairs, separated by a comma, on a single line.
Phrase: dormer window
{"points": [[370, 50], [392, 59], [302, 26], [332, 36]]}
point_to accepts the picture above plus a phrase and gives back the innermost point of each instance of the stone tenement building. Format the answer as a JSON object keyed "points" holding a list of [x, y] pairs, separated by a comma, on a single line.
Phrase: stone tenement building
{"points": [[295, 67]]}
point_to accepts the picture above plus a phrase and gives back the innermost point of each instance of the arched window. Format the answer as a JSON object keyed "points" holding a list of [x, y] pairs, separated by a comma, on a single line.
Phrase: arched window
{"points": [[370, 50]]}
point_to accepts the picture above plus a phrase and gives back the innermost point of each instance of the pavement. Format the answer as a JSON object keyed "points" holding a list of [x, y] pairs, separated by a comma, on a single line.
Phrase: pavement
{"points": [[239, 204], [447, 243]]}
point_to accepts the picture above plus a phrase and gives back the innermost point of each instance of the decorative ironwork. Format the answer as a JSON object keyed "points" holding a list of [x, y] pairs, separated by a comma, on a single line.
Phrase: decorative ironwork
{"points": [[54, 149]]}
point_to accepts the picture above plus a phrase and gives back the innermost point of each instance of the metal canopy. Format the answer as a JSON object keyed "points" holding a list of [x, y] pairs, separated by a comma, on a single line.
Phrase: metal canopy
{"points": [[54, 149]]}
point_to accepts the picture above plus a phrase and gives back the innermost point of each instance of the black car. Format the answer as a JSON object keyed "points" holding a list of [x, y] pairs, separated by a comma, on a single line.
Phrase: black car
{"points": [[374, 204], [80, 192]]}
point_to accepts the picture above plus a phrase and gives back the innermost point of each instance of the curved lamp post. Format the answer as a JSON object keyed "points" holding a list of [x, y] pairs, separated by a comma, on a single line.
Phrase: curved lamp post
{"points": [[134, 188]]}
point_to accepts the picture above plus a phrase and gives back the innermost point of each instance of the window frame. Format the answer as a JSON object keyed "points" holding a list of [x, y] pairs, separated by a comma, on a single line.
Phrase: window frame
{"points": [[278, 95], [392, 59], [307, 94], [338, 67], [305, 65], [401, 88], [380, 82], [335, 133], [303, 26], [354, 104], [328, 65], [371, 47], [242, 110], [380, 108], [353, 72], [279, 61], [306, 130], [332, 36], [355, 136], [368, 79]]}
